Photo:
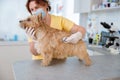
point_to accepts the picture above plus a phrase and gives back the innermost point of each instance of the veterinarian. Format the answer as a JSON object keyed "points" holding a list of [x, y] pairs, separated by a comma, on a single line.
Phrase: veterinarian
{"points": [[43, 7]]}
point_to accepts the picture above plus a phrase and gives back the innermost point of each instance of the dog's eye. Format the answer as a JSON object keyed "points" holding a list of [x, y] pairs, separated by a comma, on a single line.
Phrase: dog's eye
{"points": [[28, 19]]}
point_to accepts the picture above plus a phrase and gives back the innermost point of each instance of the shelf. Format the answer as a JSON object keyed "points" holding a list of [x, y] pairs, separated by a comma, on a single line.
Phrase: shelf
{"points": [[105, 9]]}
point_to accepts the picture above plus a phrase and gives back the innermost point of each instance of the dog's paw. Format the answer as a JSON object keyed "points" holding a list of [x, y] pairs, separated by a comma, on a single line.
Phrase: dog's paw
{"points": [[80, 60], [88, 63], [44, 64]]}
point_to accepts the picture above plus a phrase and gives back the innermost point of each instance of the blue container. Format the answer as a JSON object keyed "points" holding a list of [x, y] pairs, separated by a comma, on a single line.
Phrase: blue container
{"points": [[15, 38]]}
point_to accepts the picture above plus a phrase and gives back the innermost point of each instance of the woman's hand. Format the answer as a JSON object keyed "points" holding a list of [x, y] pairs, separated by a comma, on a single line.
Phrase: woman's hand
{"points": [[74, 38], [33, 49], [78, 34], [30, 33]]}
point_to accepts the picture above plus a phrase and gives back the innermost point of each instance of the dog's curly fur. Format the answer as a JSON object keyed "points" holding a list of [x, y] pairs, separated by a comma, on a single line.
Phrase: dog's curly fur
{"points": [[50, 44]]}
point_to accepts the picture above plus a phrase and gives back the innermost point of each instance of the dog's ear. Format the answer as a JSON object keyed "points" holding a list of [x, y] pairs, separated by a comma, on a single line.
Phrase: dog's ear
{"points": [[39, 17]]}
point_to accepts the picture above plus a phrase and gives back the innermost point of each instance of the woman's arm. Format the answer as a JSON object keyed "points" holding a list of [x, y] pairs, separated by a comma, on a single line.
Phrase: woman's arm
{"points": [[77, 28]]}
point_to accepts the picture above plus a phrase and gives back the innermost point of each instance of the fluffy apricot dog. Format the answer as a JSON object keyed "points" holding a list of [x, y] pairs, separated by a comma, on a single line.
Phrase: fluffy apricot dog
{"points": [[49, 42]]}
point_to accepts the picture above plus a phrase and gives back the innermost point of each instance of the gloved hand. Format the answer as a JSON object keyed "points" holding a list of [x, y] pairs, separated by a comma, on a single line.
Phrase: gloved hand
{"points": [[30, 33], [74, 38]]}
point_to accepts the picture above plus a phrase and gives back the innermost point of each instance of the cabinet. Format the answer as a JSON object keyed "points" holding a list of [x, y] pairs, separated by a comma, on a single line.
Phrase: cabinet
{"points": [[84, 7]]}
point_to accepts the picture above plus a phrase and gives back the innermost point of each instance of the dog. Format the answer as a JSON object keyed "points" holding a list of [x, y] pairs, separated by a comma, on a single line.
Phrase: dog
{"points": [[50, 44]]}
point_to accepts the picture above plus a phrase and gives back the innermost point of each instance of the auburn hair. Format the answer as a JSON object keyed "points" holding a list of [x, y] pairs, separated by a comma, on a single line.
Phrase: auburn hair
{"points": [[41, 2]]}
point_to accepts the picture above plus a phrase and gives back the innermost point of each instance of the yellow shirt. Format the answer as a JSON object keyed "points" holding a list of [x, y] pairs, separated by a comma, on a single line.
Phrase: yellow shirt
{"points": [[57, 22]]}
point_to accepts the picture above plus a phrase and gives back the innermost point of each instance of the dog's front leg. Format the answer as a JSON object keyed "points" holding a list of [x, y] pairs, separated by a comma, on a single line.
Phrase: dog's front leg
{"points": [[47, 58]]}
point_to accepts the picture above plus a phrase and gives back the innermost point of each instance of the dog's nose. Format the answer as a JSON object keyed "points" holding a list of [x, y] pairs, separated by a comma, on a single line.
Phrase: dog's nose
{"points": [[20, 21]]}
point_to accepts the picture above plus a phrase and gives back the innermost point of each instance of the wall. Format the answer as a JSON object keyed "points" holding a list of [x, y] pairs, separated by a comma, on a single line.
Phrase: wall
{"points": [[68, 11], [9, 54]]}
